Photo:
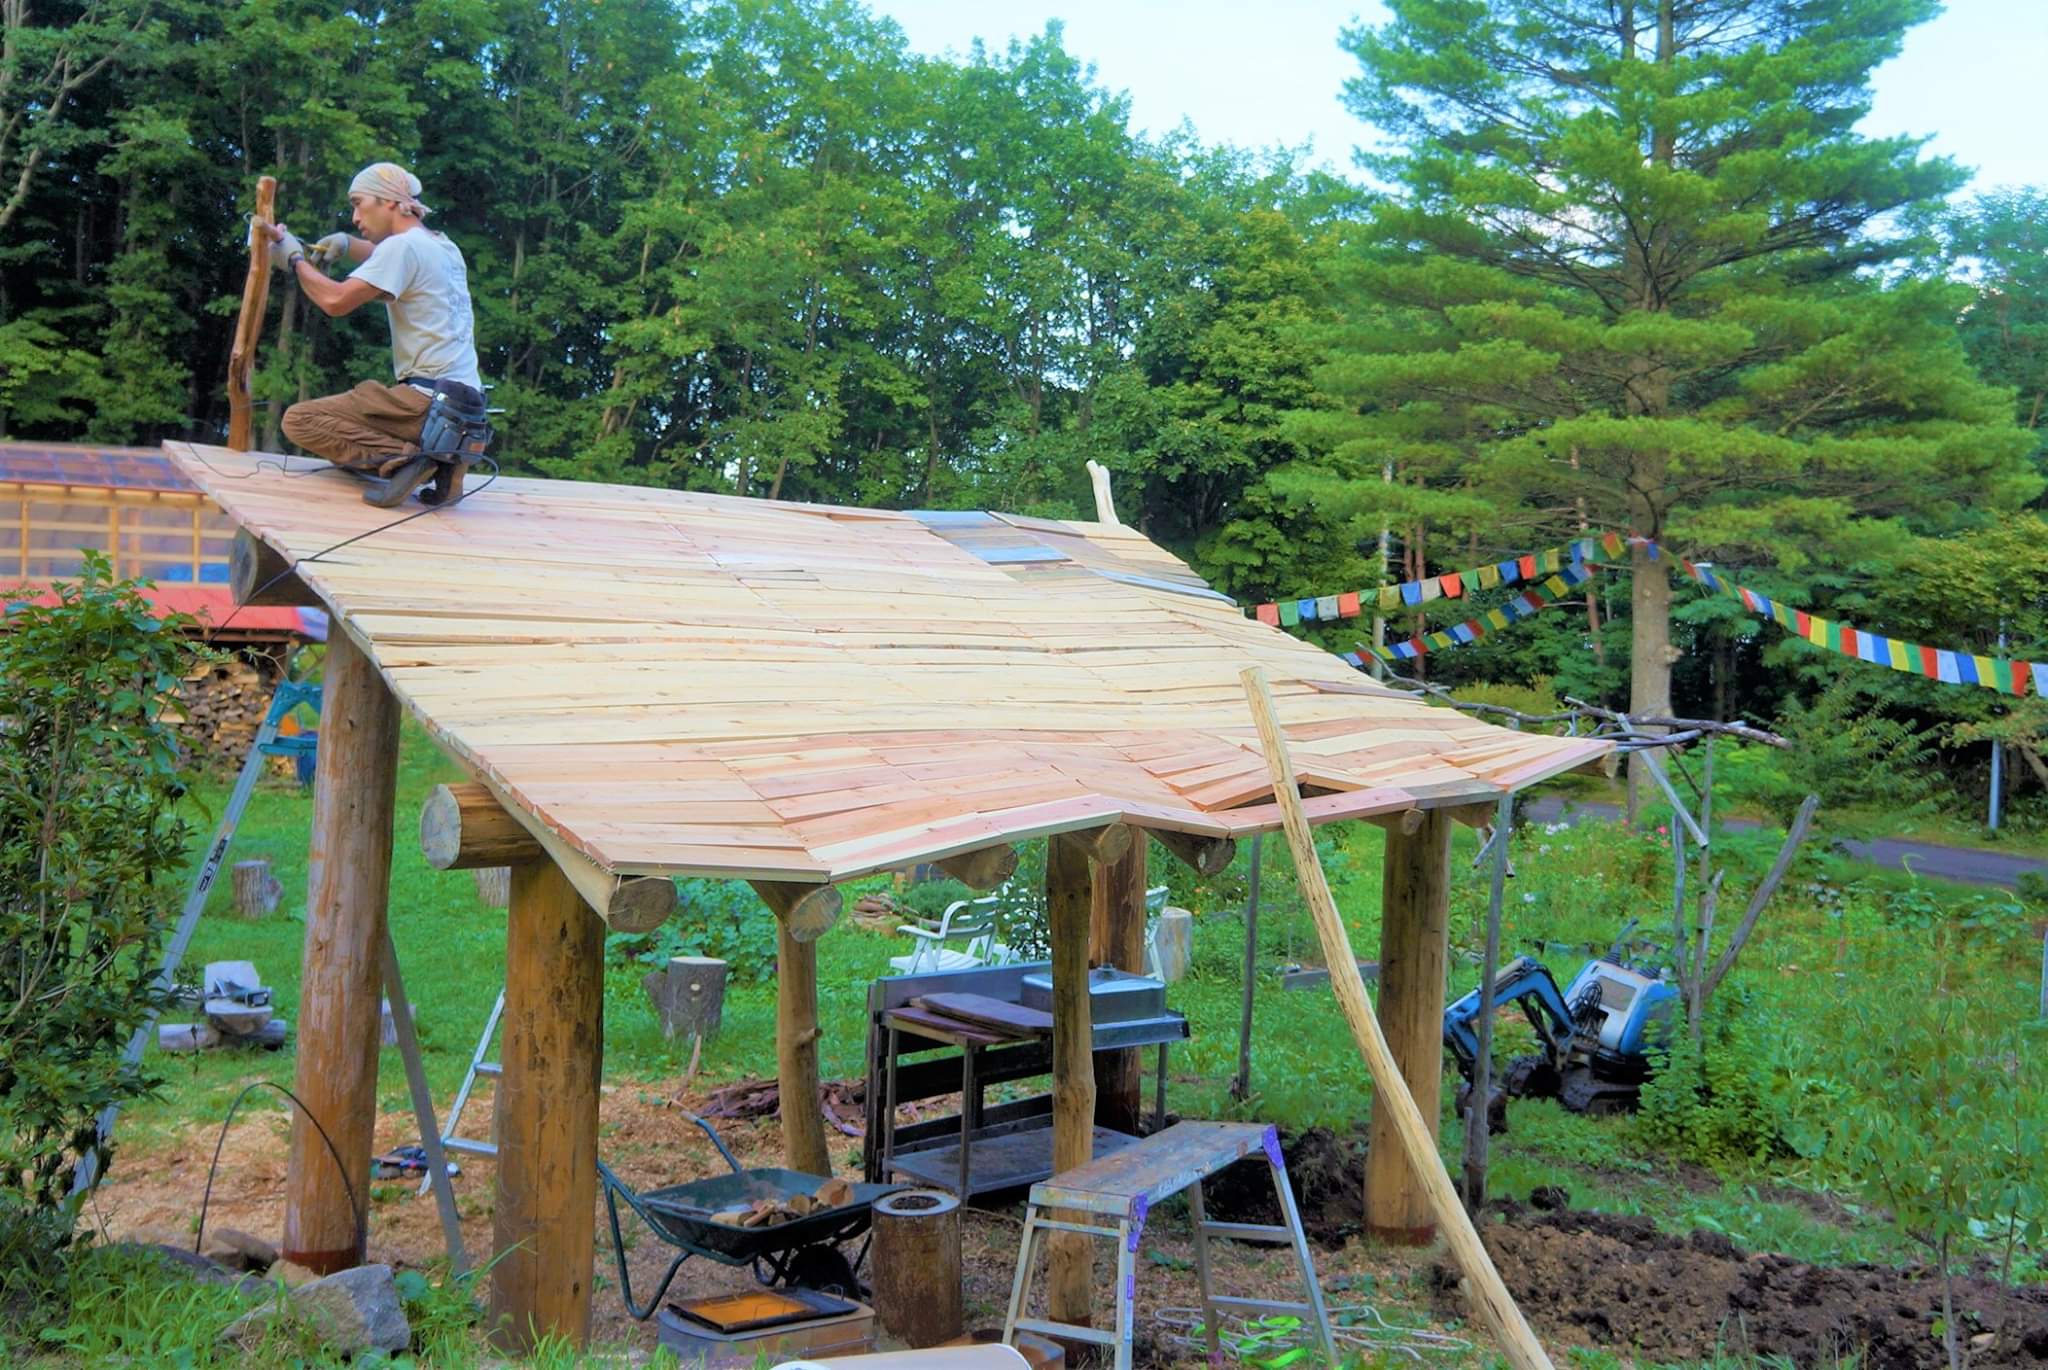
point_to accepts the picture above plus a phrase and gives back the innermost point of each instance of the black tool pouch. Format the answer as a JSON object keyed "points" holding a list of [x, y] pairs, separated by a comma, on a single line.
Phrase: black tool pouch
{"points": [[453, 430]]}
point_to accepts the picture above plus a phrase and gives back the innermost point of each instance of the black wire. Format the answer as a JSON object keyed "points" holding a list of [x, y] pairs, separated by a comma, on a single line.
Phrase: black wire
{"points": [[362, 1217], [345, 542]]}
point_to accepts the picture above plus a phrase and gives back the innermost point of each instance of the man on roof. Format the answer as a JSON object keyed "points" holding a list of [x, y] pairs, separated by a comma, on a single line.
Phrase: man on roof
{"points": [[392, 434]]}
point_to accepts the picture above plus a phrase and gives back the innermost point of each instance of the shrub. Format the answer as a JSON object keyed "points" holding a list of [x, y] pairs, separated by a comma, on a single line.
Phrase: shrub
{"points": [[89, 843], [720, 918]]}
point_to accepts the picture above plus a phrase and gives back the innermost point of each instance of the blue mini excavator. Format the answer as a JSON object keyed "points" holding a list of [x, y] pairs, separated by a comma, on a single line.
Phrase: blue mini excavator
{"points": [[1595, 1039]]}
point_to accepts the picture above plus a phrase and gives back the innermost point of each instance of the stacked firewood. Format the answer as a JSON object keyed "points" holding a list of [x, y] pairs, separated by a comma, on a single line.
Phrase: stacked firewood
{"points": [[224, 703]]}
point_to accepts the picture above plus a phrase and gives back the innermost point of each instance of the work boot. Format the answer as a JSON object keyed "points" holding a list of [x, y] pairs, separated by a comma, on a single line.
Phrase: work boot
{"points": [[447, 486], [399, 478]]}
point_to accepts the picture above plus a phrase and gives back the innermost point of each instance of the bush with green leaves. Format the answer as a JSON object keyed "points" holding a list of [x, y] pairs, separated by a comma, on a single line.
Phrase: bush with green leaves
{"points": [[90, 845], [719, 918], [1742, 1094], [1845, 748]]}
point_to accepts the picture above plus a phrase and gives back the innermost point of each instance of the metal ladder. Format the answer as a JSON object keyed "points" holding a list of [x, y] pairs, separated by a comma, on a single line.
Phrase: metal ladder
{"points": [[451, 1140]]}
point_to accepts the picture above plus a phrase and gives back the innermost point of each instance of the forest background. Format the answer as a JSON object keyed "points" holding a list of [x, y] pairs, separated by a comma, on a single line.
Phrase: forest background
{"points": [[1622, 266]]}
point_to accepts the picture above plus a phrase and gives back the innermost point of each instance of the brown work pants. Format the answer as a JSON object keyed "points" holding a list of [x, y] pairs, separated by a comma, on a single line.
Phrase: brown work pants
{"points": [[364, 428]]}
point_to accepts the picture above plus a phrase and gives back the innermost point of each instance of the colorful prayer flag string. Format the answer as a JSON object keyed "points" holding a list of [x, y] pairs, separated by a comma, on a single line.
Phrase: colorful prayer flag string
{"points": [[1568, 578], [1935, 663], [1412, 594]]}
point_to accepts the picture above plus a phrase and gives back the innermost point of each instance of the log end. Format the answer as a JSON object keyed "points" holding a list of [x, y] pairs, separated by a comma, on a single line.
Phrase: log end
{"points": [[640, 903], [260, 576]]}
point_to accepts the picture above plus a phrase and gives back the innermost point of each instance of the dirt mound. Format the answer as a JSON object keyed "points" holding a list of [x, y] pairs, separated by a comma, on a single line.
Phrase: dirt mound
{"points": [[1326, 1173], [1618, 1281]]}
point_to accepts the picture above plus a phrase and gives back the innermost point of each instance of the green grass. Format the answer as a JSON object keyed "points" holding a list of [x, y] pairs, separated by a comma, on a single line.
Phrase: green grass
{"points": [[1574, 890]]}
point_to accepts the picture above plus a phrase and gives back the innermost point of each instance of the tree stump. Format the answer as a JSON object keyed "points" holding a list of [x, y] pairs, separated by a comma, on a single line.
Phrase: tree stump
{"points": [[257, 891], [689, 994], [1173, 944], [494, 885], [916, 1269]]}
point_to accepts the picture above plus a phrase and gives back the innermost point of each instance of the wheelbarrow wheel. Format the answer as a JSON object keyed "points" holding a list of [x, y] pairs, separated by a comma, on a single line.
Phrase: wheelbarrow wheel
{"points": [[824, 1269]]}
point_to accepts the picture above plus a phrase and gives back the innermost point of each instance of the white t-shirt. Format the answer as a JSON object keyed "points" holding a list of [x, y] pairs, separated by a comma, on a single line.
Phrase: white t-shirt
{"points": [[432, 332]]}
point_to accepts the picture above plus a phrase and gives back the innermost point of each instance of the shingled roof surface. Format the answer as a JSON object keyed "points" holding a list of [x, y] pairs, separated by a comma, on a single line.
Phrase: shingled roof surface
{"points": [[691, 683]]}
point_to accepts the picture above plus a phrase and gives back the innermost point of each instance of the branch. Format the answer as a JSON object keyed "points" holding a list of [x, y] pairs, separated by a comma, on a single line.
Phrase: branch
{"points": [[1793, 838]]}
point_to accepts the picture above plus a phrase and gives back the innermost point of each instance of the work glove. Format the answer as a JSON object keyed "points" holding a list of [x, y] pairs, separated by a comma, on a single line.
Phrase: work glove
{"points": [[284, 246], [329, 250]]}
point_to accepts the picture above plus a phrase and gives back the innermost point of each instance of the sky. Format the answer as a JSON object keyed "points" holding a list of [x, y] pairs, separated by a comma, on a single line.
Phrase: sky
{"points": [[1272, 74]]}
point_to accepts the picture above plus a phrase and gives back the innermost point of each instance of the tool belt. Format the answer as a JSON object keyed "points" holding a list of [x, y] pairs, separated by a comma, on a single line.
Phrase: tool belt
{"points": [[456, 426]]}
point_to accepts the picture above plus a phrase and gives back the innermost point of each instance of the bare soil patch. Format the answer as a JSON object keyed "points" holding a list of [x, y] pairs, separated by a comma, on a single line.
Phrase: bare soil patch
{"points": [[1618, 1282]]}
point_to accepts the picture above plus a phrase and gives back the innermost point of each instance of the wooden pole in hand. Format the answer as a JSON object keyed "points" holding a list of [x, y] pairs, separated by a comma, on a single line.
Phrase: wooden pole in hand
{"points": [[1490, 1298], [249, 323]]}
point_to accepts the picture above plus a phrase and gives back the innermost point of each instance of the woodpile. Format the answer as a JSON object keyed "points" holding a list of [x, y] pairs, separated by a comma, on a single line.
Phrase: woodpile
{"points": [[844, 1101], [223, 705]]}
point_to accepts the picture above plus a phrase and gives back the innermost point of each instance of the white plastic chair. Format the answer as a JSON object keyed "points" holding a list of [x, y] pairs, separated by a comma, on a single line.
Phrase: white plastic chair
{"points": [[969, 922]]}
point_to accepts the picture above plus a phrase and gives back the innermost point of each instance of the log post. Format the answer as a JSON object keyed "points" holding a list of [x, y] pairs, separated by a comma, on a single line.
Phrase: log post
{"points": [[796, 1024], [340, 995], [1116, 938], [543, 1226], [1414, 948], [1070, 1264]]}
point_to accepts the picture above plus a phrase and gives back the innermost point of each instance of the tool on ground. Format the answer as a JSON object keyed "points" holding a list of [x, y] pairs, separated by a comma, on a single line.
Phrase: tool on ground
{"points": [[800, 1253], [290, 695], [1596, 1040]]}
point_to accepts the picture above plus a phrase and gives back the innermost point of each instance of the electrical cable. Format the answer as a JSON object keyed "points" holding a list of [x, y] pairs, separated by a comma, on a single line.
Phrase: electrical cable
{"points": [[489, 480], [354, 1206]]}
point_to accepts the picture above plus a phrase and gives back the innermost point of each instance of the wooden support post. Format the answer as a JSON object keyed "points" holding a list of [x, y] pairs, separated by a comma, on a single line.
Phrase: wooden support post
{"points": [[466, 827], [258, 575], [249, 324], [1116, 938], [543, 1226], [1490, 1298], [340, 988], [1415, 895], [796, 1027], [1070, 1267], [981, 870]]}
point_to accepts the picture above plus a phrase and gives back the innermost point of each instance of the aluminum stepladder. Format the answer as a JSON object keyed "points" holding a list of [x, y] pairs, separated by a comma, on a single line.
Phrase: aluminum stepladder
{"points": [[479, 1064], [290, 695]]}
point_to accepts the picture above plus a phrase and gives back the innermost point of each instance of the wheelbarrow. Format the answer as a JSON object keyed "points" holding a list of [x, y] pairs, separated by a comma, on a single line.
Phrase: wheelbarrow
{"points": [[802, 1253]]}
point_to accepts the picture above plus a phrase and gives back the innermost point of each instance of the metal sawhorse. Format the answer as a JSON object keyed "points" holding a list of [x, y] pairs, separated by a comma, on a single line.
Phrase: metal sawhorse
{"points": [[1122, 1189]]}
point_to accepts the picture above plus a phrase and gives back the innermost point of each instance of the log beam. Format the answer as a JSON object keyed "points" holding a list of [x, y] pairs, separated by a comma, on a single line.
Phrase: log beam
{"points": [[340, 997], [1116, 938], [542, 1228], [796, 1027], [1102, 845], [1070, 1264], [807, 910], [1208, 855], [1414, 952], [464, 828], [259, 575], [981, 870], [467, 827]]}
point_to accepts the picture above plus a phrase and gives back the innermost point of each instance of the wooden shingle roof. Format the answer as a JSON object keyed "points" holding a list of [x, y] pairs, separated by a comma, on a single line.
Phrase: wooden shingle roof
{"points": [[692, 683]]}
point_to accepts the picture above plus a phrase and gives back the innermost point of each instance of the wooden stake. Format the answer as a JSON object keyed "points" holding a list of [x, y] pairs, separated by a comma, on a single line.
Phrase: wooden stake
{"points": [[1116, 938], [1490, 1298], [1414, 950], [543, 1227], [796, 1030], [1070, 1267], [249, 324], [340, 996]]}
